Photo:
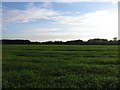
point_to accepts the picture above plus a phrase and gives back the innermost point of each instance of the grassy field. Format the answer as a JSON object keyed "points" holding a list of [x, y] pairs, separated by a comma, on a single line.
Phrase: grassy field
{"points": [[60, 66]]}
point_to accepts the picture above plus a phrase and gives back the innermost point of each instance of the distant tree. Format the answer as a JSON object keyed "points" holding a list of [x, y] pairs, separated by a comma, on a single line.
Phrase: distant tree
{"points": [[58, 42], [75, 42], [115, 39], [97, 41], [6, 41], [118, 41]]}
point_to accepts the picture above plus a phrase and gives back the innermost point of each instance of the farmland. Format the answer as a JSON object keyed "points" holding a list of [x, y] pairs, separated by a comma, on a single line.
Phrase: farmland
{"points": [[60, 66]]}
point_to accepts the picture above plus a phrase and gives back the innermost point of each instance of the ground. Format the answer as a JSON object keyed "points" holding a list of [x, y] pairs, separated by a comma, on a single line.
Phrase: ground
{"points": [[60, 66]]}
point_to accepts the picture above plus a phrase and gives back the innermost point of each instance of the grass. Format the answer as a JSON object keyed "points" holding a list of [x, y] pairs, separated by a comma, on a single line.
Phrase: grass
{"points": [[60, 66]]}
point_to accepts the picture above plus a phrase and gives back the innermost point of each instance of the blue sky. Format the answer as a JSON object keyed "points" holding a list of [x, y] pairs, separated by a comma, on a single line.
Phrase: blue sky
{"points": [[64, 21]]}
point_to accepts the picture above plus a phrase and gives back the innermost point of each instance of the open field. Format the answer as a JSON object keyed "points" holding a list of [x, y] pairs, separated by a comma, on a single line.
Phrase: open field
{"points": [[60, 66]]}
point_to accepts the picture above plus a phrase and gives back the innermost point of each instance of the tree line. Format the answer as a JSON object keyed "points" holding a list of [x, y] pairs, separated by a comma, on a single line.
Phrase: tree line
{"points": [[96, 41]]}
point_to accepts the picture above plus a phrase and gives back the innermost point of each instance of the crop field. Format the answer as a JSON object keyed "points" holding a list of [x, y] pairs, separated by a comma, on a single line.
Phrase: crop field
{"points": [[60, 66]]}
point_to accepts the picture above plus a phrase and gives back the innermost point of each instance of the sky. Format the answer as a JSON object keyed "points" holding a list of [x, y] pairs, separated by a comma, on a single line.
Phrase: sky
{"points": [[61, 21]]}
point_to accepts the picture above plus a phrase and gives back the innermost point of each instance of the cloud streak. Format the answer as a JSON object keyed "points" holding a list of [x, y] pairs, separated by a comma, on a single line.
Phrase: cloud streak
{"points": [[31, 13], [100, 20]]}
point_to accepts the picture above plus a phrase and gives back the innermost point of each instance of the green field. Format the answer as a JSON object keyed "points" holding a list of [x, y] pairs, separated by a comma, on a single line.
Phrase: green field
{"points": [[60, 66]]}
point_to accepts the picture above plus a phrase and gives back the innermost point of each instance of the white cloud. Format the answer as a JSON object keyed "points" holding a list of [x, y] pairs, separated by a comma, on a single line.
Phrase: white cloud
{"points": [[47, 5], [41, 30], [99, 24], [101, 16], [115, 1], [31, 13], [103, 23]]}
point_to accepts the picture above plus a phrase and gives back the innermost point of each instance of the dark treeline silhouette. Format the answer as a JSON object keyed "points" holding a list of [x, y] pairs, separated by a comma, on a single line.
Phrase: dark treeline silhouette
{"points": [[6, 41], [95, 41]]}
